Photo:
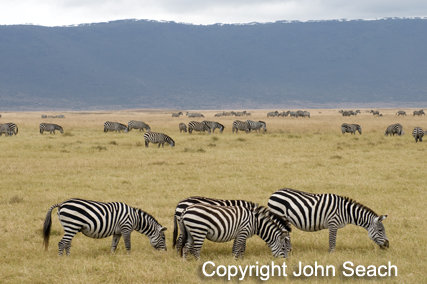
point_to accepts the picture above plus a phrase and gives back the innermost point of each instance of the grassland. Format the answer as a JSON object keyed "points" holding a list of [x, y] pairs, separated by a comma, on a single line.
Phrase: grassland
{"points": [[387, 174]]}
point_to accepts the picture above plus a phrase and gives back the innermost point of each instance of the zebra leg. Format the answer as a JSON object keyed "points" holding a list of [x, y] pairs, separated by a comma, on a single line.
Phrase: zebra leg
{"points": [[65, 243], [116, 239], [126, 237], [332, 238], [239, 246], [146, 143]]}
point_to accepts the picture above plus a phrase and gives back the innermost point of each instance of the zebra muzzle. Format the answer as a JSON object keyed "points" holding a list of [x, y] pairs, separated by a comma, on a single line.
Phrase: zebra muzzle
{"points": [[385, 245]]}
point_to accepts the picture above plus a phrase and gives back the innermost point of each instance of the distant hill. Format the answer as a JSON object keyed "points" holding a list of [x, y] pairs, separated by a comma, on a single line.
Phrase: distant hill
{"points": [[148, 64]]}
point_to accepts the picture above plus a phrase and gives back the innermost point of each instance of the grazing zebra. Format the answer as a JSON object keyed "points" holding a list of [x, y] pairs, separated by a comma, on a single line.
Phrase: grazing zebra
{"points": [[4, 128], [394, 129], [418, 134], [214, 125], [401, 112], [160, 138], [184, 204], [375, 112], [352, 128], [257, 125], [273, 113], [100, 220], [419, 112], [50, 127], [177, 114], [115, 126], [198, 126], [138, 125], [225, 223], [194, 114], [182, 127], [13, 128], [240, 125], [314, 212], [219, 114]]}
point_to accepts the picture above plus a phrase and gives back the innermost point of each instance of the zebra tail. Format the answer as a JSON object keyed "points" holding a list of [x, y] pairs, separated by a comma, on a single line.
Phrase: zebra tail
{"points": [[47, 225], [184, 235], [175, 230]]}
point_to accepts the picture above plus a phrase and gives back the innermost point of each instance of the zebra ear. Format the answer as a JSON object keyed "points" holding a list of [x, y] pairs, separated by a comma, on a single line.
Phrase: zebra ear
{"points": [[382, 217], [163, 229]]}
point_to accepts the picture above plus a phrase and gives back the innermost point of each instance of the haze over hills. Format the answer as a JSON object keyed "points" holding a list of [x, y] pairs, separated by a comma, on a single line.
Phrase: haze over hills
{"points": [[148, 64]]}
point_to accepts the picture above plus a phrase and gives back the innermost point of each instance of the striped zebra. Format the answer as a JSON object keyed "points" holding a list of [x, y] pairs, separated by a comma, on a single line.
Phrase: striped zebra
{"points": [[160, 138], [225, 223], [4, 128], [115, 126], [418, 134], [194, 114], [240, 125], [187, 202], [214, 125], [50, 127], [138, 125], [177, 114], [352, 128], [100, 220], [401, 112], [13, 128], [314, 212], [182, 127], [198, 126], [419, 112], [394, 129], [257, 125], [273, 113]]}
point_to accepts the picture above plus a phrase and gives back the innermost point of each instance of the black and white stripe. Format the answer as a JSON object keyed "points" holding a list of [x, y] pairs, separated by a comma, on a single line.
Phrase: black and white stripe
{"points": [[50, 127], [241, 125], [418, 134], [313, 212], [225, 223], [394, 129], [198, 126], [214, 125], [257, 125], [352, 128], [182, 127], [138, 125], [115, 126], [419, 112], [100, 220], [155, 137], [13, 128]]}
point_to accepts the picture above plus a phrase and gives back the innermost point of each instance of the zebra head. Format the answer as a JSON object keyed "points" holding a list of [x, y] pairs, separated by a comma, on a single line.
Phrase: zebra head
{"points": [[376, 232], [158, 239], [60, 129]]}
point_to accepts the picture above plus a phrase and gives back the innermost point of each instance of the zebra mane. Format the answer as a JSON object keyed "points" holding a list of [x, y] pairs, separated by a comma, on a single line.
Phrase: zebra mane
{"points": [[147, 215], [359, 205]]}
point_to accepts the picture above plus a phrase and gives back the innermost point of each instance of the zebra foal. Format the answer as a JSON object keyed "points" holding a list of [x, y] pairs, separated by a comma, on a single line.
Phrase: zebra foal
{"points": [[50, 127], [182, 127], [100, 220], [225, 223], [160, 138], [418, 134], [314, 212]]}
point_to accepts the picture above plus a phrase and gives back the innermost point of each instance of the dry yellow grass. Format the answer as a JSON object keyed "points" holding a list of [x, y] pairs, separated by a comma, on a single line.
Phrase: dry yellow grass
{"points": [[386, 174]]}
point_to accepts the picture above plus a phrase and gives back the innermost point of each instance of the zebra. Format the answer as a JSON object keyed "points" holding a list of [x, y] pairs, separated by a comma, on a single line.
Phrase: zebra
{"points": [[4, 128], [394, 129], [177, 114], [419, 112], [219, 114], [138, 125], [160, 138], [257, 125], [314, 212], [198, 126], [240, 125], [50, 127], [182, 127], [375, 112], [187, 202], [273, 113], [352, 128], [115, 126], [194, 114], [13, 128], [225, 223], [214, 125], [401, 112], [100, 220], [418, 134]]}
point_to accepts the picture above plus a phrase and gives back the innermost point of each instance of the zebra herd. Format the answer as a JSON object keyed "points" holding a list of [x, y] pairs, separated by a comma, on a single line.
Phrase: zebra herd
{"points": [[198, 218], [393, 129], [296, 114]]}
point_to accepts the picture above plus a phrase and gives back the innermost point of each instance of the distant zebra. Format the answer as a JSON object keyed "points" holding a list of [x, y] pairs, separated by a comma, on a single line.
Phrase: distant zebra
{"points": [[419, 112], [401, 112], [194, 114], [13, 128], [214, 125], [314, 212], [138, 125], [418, 134], [241, 125], [160, 138], [100, 220], [352, 128], [375, 112], [187, 202], [257, 125], [219, 114], [182, 127], [4, 128], [394, 129], [115, 126], [177, 114], [225, 223], [198, 126], [50, 127], [272, 113]]}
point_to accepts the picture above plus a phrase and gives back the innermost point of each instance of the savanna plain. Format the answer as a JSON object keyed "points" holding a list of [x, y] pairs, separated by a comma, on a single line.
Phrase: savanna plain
{"points": [[386, 174]]}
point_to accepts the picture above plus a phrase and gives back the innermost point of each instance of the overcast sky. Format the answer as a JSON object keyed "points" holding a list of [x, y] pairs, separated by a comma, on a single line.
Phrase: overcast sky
{"points": [[205, 12]]}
